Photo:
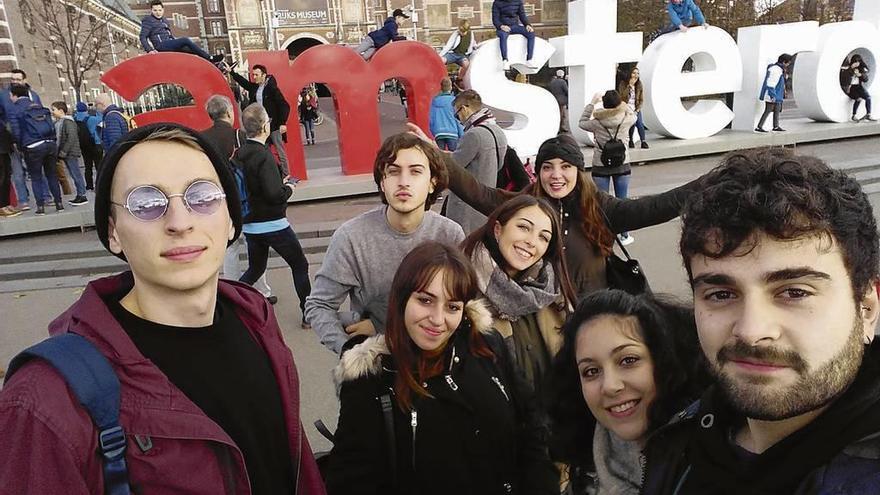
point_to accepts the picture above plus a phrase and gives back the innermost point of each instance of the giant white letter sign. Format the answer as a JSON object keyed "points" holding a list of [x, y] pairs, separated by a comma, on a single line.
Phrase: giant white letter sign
{"points": [[816, 81], [536, 114], [761, 46], [592, 51], [718, 69]]}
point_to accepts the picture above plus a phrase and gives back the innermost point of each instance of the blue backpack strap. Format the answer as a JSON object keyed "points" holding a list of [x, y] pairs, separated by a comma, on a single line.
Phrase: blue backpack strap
{"points": [[96, 386]]}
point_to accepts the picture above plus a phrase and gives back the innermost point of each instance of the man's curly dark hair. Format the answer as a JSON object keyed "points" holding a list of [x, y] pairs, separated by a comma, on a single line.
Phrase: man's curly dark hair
{"points": [[787, 197]]}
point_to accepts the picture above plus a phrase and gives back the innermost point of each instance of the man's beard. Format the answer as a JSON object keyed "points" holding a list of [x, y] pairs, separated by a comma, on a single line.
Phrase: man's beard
{"points": [[755, 398]]}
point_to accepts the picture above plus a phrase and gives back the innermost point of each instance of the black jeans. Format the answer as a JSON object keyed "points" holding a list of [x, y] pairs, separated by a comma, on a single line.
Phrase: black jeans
{"points": [[285, 243], [776, 109], [92, 158]]}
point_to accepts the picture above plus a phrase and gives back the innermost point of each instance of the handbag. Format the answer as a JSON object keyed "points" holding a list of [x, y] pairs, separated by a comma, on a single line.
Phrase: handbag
{"points": [[624, 274]]}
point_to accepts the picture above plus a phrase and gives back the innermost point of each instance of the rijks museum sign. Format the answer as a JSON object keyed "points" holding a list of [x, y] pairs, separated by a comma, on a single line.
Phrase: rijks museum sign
{"points": [[721, 65]]}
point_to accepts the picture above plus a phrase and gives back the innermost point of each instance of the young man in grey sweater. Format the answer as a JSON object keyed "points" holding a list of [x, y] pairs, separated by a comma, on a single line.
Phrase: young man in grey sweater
{"points": [[365, 252]]}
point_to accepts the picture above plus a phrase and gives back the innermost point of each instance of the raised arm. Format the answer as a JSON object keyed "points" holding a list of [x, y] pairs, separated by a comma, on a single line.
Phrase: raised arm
{"points": [[244, 82], [478, 196], [633, 214]]}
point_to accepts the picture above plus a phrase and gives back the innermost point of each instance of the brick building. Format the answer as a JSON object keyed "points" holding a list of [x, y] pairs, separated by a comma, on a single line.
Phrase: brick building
{"points": [[204, 21], [22, 46], [296, 25]]}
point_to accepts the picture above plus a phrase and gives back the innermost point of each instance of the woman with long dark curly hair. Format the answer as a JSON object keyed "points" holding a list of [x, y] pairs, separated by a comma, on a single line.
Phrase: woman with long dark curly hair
{"points": [[627, 365], [590, 219], [461, 419]]}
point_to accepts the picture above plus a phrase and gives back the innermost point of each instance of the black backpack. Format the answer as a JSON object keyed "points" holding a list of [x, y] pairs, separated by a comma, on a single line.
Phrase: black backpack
{"points": [[614, 151], [512, 174], [85, 137]]}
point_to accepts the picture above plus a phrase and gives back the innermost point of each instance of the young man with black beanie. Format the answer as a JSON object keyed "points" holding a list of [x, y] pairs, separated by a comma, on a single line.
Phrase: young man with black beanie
{"points": [[782, 255], [209, 391]]}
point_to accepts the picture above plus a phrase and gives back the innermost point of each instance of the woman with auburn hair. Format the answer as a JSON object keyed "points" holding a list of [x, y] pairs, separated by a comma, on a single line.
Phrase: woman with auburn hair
{"points": [[521, 272], [627, 365], [461, 422], [589, 218]]}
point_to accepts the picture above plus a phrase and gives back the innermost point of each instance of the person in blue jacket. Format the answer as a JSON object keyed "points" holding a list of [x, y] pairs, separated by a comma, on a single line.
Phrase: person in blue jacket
{"points": [[773, 92], [447, 130], [682, 14], [382, 36], [509, 17], [8, 112], [34, 134], [156, 36], [114, 125]]}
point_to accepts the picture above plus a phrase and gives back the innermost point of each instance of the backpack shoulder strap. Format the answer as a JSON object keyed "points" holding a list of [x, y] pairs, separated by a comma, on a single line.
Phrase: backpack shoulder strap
{"points": [[497, 155], [94, 383], [388, 414]]}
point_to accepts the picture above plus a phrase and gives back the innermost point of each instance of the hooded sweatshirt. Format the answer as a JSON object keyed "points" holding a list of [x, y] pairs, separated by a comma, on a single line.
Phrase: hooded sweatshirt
{"points": [[172, 445], [443, 123]]}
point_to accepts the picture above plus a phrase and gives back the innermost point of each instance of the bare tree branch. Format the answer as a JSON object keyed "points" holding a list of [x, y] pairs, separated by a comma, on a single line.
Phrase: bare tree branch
{"points": [[76, 32]]}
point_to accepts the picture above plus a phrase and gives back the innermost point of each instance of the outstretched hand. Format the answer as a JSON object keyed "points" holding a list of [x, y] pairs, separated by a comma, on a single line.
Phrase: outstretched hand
{"points": [[419, 133]]}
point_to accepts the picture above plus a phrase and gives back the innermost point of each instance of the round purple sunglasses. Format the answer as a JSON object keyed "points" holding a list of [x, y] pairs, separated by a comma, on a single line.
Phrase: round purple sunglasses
{"points": [[149, 203]]}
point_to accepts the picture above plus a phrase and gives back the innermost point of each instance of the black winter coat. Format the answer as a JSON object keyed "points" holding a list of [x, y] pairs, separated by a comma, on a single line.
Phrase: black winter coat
{"points": [[480, 434], [273, 100], [267, 192]]}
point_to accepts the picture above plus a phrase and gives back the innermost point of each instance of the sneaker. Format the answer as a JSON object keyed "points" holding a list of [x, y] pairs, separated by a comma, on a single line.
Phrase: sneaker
{"points": [[778, 129], [855, 119], [627, 239], [644, 145], [59, 207], [9, 212], [272, 299], [505, 65], [532, 64], [41, 210], [25, 207], [79, 201], [632, 145], [869, 118], [759, 129]]}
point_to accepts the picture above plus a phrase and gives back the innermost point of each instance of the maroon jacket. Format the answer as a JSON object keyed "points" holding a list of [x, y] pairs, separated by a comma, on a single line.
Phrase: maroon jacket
{"points": [[48, 443]]}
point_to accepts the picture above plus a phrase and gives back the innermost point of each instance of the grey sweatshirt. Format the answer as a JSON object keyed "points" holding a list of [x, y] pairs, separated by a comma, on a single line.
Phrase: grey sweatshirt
{"points": [[360, 263], [478, 154]]}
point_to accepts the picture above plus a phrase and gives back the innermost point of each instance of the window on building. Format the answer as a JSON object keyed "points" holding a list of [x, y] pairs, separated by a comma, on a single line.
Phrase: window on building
{"points": [[217, 28], [181, 21], [213, 5], [27, 18]]}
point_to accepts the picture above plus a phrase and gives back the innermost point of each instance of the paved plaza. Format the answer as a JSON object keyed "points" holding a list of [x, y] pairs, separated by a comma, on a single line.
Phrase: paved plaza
{"points": [[26, 313]]}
